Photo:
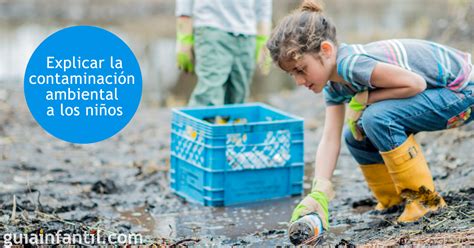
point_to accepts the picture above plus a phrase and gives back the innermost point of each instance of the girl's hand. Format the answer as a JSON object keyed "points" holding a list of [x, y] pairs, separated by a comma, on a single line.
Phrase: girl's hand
{"points": [[356, 107], [316, 202]]}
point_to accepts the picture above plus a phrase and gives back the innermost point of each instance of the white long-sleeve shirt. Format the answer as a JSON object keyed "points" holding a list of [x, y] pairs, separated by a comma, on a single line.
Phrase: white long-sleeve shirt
{"points": [[234, 16]]}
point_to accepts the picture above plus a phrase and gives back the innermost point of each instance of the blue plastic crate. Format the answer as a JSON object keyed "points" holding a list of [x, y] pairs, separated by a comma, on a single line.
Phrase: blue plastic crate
{"points": [[257, 155]]}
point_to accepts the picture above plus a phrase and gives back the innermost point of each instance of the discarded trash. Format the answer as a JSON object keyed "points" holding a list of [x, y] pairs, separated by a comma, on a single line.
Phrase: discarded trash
{"points": [[222, 120], [308, 228]]}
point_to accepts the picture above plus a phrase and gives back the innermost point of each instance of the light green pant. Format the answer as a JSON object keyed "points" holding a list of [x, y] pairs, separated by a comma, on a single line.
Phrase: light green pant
{"points": [[224, 66]]}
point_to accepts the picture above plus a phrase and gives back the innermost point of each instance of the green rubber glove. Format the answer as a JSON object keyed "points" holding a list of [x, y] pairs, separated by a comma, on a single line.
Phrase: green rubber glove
{"points": [[184, 56], [314, 199], [316, 202], [185, 44], [356, 107]]}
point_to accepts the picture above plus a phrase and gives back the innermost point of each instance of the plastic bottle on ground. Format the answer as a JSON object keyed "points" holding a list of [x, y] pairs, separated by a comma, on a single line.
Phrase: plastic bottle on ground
{"points": [[308, 227]]}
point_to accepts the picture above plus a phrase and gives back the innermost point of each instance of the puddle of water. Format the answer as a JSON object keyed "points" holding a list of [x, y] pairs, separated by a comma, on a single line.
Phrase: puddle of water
{"points": [[232, 222], [140, 217]]}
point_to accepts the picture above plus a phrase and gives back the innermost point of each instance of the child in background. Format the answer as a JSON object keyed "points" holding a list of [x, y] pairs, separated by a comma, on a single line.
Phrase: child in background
{"points": [[394, 89]]}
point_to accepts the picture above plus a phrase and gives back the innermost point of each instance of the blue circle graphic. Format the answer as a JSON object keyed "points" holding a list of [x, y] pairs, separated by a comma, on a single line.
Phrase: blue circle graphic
{"points": [[83, 84]]}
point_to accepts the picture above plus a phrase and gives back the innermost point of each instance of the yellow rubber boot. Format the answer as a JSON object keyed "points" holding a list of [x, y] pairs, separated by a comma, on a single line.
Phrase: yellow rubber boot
{"points": [[408, 168], [381, 185]]}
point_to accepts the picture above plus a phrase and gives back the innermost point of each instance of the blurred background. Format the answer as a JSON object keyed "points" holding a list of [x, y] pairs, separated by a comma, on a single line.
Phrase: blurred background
{"points": [[148, 27]]}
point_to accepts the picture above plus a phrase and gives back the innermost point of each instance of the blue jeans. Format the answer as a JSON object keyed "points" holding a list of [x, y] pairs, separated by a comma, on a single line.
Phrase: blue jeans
{"points": [[388, 123]]}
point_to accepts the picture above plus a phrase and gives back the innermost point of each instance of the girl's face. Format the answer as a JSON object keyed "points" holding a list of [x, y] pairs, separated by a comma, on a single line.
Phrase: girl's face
{"points": [[312, 70]]}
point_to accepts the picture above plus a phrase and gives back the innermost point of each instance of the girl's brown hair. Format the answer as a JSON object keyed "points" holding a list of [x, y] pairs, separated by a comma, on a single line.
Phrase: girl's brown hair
{"points": [[301, 32]]}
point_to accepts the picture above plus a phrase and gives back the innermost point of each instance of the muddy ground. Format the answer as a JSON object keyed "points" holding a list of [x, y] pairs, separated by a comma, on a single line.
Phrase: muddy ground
{"points": [[121, 185]]}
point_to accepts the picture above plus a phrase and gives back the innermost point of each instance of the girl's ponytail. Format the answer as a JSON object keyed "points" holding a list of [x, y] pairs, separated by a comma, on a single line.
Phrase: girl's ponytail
{"points": [[311, 6], [301, 32]]}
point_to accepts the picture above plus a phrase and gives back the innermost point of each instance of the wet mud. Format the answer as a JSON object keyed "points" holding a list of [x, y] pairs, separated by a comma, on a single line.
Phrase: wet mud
{"points": [[121, 185]]}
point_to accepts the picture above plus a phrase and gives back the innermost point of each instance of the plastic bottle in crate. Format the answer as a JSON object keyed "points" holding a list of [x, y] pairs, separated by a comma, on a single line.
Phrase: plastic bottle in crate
{"points": [[308, 227]]}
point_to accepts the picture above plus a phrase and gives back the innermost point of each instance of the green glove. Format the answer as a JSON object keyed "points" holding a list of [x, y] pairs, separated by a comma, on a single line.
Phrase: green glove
{"points": [[316, 202], [184, 55], [314, 199], [184, 44], [356, 107]]}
